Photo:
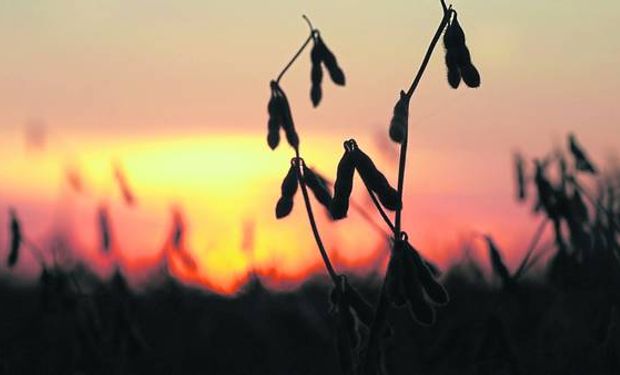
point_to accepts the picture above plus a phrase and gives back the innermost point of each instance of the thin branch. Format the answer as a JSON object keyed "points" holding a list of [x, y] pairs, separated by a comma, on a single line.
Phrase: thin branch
{"points": [[402, 162], [366, 216], [301, 49], [360, 209], [533, 243], [34, 250], [378, 323], [447, 12], [312, 29], [380, 209], [315, 230]]}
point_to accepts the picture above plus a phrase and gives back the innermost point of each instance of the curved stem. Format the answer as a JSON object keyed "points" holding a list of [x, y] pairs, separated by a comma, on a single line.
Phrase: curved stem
{"points": [[380, 209], [447, 12], [315, 230], [528, 254], [366, 216], [378, 323], [312, 30], [301, 49], [402, 162]]}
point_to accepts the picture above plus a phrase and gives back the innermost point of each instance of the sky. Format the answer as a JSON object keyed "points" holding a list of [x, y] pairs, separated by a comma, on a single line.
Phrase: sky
{"points": [[176, 93]]}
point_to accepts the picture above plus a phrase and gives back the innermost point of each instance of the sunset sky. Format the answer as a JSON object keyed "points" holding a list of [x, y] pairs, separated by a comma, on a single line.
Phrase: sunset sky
{"points": [[176, 93]]}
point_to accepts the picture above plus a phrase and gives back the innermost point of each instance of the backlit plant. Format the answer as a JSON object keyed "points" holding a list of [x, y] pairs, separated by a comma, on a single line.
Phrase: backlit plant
{"points": [[409, 280]]}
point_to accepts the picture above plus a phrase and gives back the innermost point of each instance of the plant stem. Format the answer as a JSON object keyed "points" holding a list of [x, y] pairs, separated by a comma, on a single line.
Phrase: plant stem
{"points": [[528, 254], [447, 11], [315, 230], [360, 209], [368, 218], [378, 323], [402, 162], [380, 209], [34, 250], [301, 49]]}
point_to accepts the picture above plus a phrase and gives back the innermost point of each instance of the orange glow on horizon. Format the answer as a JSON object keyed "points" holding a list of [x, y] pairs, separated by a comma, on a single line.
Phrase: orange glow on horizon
{"points": [[225, 187]]}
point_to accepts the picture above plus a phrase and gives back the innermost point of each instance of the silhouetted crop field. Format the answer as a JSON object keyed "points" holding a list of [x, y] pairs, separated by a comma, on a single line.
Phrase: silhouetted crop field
{"points": [[556, 312]]}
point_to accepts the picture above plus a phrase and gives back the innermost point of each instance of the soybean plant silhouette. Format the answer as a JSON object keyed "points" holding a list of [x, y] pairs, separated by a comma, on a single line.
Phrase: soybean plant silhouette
{"points": [[556, 312], [408, 281]]}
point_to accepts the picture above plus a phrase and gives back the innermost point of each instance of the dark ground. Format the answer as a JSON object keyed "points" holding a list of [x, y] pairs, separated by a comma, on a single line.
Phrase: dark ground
{"points": [[534, 329]]}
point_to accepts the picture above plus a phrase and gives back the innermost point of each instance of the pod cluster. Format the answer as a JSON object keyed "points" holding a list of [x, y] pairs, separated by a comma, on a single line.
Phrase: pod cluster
{"points": [[288, 190], [400, 118], [321, 55], [355, 159], [410, 282], [350, 310], [16, 238], [458, 58], [280, 117]]}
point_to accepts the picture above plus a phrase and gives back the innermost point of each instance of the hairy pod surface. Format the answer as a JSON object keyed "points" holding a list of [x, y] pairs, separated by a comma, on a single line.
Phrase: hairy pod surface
{"points": [[450, 39], [458, 58], [343, 186], [457, 35], [470, 75], [400, 119]]}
